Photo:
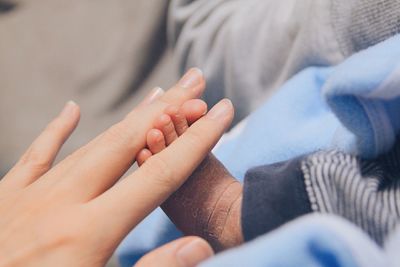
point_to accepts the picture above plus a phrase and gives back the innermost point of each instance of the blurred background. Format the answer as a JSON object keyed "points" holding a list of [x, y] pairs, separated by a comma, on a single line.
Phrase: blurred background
{"points": [[104, 55]]}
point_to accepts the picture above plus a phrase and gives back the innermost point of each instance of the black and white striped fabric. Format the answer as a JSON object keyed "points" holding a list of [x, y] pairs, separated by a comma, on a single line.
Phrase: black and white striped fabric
{"points": [[365, 192]]}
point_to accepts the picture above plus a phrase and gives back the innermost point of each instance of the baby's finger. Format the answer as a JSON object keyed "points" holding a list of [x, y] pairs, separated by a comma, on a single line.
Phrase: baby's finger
{"points": [[155, 141], [142, 156], [178, 118], [166, 126], [193, 110], [160, 176]]}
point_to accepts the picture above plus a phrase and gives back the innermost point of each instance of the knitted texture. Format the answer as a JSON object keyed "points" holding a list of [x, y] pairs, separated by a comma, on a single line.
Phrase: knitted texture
{"points": [[364, 192], [359, 24]]}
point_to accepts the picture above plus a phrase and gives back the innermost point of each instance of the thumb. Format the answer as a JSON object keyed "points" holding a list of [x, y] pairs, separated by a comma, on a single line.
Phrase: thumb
{"points": [[184, 252]]}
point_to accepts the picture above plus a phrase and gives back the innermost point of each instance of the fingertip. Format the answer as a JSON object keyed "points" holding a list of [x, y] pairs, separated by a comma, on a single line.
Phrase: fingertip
{"points": [[162, 121], [143, 155], [194, 252], [154, 136], [183, 252], [70, 110], [194, 109], [223, 112], [155, 141]]}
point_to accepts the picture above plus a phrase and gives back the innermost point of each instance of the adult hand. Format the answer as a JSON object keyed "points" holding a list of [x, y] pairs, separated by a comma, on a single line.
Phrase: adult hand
{"points": [[75, 214], [184, 252]]}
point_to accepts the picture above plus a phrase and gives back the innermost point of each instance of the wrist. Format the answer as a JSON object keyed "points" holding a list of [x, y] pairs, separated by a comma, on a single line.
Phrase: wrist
{"points": [[209, 205]]}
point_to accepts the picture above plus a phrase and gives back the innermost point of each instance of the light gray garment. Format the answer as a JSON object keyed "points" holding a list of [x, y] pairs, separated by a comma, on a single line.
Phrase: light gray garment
{"points": [[52, 51], [249, 48]]}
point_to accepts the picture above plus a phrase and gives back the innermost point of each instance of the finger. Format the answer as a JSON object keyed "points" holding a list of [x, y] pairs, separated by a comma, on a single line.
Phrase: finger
{"points": [[178, 119], [184, 252], [155, 141], [154, 94], [143, 155], [40, 156], [165, 124], [192, 83], [71, 160], [193, 110], [161, 175], [114, 152]]}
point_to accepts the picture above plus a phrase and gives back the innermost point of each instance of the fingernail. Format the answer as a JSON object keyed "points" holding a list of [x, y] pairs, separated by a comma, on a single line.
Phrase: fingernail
{"points": [[221, 110], [192, 78], [68, 109], [194, 253], [153, 95]]}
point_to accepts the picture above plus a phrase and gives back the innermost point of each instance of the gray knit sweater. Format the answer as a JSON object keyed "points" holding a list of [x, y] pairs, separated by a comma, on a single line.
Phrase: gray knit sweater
{"points": [[248, 48]]}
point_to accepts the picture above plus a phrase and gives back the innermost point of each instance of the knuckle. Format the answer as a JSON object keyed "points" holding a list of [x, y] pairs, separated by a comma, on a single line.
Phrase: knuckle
{"points": [[61, 233], [35, 161], [195, 139], [174, 95], [56, 126], [52, 239], [117, 133], [159, 171]]}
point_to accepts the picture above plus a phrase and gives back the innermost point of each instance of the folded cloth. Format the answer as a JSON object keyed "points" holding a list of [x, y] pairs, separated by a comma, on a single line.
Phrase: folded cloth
{"points": [[313, 240], [248, 58], [353, 107]]}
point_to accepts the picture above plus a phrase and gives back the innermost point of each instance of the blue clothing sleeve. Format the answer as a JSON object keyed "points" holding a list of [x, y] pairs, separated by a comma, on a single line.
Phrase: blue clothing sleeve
{"points": [[273, 195]]}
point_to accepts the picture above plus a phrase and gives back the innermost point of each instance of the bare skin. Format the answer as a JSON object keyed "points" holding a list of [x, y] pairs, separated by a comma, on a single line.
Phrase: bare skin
{"points": [[209, 203], [76, 214]]}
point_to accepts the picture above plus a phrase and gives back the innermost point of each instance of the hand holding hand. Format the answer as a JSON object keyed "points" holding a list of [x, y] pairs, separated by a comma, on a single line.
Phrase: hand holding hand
{"points": [[75, 213]]}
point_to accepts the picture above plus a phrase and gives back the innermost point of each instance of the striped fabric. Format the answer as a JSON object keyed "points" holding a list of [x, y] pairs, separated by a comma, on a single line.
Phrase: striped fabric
{"points": [[365, 192]]}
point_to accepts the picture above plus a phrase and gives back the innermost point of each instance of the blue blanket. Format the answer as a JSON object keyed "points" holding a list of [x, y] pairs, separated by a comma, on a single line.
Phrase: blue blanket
{"points": [[353, 107], [314, 240]]}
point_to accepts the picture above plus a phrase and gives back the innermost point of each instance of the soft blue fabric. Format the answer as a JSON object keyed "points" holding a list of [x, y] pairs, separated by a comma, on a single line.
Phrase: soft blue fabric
{"points": [[312, 241], [154, 231], [354, 107]]}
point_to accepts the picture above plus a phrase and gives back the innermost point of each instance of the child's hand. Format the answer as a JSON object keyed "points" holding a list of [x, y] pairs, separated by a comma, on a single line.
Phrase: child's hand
{"points": [[170, 125], [209, 203]]}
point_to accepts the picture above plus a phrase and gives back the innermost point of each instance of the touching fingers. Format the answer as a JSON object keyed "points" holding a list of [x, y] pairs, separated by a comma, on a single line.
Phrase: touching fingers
{"points": [[155, 141], [153, 95], [193, 109], [143, 155], [192, 83], [178, 119], [184, 252], [162, 174], [40, 156], [113, 153], [166, 125]]}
